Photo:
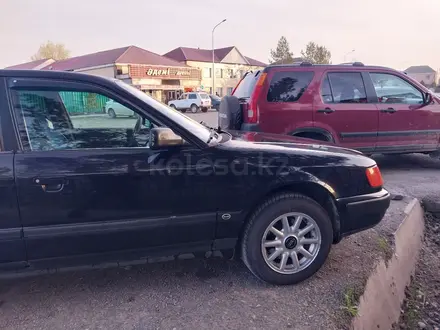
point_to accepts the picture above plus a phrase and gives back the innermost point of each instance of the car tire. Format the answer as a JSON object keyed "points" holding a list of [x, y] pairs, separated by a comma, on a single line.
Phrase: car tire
{"points": [[183, 110], [194, 108], [111, 113], [256, 245], [173, 106], [204, 109]]}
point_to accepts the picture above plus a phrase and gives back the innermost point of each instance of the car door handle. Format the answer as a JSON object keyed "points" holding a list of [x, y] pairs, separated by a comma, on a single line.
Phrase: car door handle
{"points": [[389, 110], [326, 110], [51, 185]]}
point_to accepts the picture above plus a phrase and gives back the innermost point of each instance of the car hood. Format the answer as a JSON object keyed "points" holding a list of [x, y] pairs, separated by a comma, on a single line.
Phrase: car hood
{"points": [[278, 142]]}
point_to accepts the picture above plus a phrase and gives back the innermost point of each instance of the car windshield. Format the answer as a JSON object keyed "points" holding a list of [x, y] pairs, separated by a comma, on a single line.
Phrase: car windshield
{"points": [[215, 97], [189, 124], [246, 86], [204, 96]]}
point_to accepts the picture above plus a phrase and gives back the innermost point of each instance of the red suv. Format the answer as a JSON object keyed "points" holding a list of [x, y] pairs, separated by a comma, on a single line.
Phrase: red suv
{"points": [[372, 109]]}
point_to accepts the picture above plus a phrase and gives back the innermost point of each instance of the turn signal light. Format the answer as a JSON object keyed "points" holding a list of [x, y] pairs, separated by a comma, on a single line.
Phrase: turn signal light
{"points": [[374, 177]]}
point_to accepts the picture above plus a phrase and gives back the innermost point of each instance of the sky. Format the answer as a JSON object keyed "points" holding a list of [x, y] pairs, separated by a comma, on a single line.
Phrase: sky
{"points": [[394, 33]]}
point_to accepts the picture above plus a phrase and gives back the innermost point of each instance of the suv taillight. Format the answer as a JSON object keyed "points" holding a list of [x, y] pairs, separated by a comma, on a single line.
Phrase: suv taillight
{"points": [[251, 111]]}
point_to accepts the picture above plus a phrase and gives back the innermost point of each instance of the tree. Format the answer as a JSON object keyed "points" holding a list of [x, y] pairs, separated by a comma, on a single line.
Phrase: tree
{"points": [[56, 51], [282, 53], [316, 54]]}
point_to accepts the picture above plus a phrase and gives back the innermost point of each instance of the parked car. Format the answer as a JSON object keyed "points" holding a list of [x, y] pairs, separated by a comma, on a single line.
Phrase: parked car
{"points": [[215, 101], [165, 185], [192, 101], [114, 109], [368, 108]]}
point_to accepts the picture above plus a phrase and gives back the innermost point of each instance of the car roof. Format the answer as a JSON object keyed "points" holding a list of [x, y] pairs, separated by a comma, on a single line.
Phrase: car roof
{"points": [[355, 66], [64, 75]]}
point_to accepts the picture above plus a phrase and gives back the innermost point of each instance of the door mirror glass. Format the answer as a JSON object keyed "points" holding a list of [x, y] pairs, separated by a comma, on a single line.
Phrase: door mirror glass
{"points": [[164, 138]]}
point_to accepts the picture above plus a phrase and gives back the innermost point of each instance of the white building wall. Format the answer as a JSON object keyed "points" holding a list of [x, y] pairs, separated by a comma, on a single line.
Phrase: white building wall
{"points": [[225, 83], [427, 78]]}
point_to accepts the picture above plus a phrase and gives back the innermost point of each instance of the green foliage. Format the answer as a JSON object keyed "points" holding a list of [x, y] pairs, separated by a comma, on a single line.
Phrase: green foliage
{"points": [[56, 51], [316, 54], [282, 53]]}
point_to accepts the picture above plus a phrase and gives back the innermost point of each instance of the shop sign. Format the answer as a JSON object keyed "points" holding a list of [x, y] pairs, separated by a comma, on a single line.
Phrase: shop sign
{"points": [[167, 72]]}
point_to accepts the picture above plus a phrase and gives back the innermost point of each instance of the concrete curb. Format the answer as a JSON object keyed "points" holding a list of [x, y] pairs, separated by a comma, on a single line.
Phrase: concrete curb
{"points": [[380, 303]]}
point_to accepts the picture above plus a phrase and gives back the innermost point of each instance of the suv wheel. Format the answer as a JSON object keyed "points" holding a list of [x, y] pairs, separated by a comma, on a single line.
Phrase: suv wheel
{"points": [[287, 239], [194, 108]]}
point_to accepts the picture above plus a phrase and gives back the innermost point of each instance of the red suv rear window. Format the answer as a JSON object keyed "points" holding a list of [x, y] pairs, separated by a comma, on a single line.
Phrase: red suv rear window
{"points": [[288, 86], [247, 84]]}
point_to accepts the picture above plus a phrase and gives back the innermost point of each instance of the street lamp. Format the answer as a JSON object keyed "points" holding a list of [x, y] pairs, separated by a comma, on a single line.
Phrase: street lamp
{"points": [[213, 57], [351, 51]]}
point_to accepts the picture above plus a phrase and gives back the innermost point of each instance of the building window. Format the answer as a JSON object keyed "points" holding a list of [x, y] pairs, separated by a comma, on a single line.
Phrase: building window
{"points": [[219, 91], [229, 90], [218, 73], [230, 73], [207, 73], [122, 69]]}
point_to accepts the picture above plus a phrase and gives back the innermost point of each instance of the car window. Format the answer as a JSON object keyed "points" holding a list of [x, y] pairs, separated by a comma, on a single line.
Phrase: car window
{"points": [[183, 97], [392, 89], [192, 96], [204, 96], [246, 85], [345, 87], [288, 86], [60, 120], [326, 91]]}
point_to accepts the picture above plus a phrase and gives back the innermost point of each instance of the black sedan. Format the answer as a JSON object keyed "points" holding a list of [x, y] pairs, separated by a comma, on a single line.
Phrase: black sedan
{"points": [[89, 189]]}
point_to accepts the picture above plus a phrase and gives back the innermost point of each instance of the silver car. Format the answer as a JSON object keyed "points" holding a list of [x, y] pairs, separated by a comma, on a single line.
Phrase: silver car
{"points": [[115, 109]]}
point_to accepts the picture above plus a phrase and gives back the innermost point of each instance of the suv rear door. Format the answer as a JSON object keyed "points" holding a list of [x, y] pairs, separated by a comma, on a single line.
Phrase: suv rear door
{"points": [[343, 107], [406, 124], [285, 102]]}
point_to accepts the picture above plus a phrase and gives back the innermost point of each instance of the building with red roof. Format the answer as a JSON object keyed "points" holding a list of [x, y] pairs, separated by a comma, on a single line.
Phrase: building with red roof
{"points": [[230, 65]]}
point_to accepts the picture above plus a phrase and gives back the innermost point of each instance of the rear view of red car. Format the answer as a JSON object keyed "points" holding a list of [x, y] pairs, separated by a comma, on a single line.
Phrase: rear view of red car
{"points": [[372, 109]]}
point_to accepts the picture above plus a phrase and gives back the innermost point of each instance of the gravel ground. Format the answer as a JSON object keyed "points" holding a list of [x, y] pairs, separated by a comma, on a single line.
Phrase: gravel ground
{"points": [[421, 308], [212, 293]]}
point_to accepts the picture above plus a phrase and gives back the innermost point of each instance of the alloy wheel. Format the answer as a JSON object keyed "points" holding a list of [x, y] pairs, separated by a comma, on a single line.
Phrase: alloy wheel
{"points": [[291, 243]]}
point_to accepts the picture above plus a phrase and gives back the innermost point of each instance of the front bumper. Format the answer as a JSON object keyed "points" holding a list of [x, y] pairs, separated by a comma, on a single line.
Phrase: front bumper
{"points": [[358, 213]]}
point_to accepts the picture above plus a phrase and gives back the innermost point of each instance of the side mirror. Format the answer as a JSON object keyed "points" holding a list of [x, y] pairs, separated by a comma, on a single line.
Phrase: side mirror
{"points": [[164, 138], [427, 98]]}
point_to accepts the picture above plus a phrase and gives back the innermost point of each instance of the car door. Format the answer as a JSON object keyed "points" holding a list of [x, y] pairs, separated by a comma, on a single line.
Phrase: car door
{"points": [[181, 102], [92, 186], [406, 123], [344, 108], [192, 99], [12, 247]]}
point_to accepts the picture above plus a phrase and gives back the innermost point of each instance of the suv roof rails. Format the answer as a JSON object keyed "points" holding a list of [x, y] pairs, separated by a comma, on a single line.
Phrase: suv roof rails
{"points": [[305, 63], [353, 64]]}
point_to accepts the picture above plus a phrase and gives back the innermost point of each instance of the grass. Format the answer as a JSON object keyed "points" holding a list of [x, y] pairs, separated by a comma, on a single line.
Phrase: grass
{"points": [[385, 247], [351, 300]]}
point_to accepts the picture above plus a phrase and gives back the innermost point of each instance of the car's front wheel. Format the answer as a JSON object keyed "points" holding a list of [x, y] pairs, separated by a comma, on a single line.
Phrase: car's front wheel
{"points": [[287, 239]]}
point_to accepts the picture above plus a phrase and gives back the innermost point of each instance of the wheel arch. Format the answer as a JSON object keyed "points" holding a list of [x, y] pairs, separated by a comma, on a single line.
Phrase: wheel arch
{"points": [[314, 190], [315, 130]]}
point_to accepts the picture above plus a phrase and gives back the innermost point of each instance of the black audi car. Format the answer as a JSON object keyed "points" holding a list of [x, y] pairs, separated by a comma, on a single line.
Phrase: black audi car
{"points": [[80, 188]]}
